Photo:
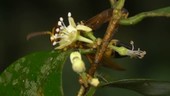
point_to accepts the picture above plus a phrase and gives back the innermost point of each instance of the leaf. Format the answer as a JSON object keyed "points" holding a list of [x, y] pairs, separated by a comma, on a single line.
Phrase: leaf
{"points": [[99, 19], [139, 17], [37, 74], [143, 86], [103, 17]]}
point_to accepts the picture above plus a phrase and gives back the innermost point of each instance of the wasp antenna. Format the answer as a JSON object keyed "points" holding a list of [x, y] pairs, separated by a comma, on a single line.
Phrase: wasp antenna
{"points": [[31, 35]]}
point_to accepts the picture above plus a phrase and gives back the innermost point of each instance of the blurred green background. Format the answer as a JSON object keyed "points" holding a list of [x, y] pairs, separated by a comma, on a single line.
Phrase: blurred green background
{"points": [[21, 17]]}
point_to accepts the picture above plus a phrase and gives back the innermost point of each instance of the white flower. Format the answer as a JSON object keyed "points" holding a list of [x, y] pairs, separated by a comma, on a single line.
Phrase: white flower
{"points": [[66, 35], [126, 52]]}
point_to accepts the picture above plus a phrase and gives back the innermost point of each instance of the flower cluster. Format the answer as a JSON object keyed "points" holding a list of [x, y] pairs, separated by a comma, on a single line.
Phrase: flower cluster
{"points": [[78, 66]]}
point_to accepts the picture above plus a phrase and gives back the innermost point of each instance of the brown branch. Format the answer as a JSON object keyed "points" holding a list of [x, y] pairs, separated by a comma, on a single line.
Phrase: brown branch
{"points": [[111, 29]]}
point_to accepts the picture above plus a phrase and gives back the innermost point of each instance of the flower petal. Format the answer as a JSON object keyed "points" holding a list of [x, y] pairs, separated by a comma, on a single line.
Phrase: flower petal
{"points": [[71, 21], [83, 28]]}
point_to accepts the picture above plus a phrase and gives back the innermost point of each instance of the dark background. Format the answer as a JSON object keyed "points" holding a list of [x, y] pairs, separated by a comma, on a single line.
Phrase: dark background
{"points": [[21, 17]]}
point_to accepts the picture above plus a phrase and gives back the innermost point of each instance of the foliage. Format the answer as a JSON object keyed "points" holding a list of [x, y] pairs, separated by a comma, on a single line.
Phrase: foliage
{"points": [[37, 74]]}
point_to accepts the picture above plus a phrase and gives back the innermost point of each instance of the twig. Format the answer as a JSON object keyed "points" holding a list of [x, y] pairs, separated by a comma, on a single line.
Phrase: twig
{"points": [[111, 29]]}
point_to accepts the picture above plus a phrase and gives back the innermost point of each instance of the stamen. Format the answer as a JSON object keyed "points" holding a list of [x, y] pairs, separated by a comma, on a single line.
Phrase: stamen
{"points": [[61, 19], [61, 27], [142, 54], [57, 30], [59, 23], [132, 43], [136, 53], [138, 49], [52, 38], [69, 14], [56, 35], [54, 43]]}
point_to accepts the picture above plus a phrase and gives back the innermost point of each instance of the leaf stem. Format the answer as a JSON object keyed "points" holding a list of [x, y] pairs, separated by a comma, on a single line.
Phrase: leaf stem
{"points": [[86, 51], [91, 91]]}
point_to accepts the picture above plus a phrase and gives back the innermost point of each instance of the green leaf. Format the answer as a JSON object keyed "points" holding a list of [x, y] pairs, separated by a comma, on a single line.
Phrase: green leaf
{"points": [[143, 86], [139, 17], [38, 74]]}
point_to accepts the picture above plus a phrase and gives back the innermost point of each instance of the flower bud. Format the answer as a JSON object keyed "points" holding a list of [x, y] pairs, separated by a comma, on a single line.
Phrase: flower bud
{"points": [[94, 82], [77, 62]]}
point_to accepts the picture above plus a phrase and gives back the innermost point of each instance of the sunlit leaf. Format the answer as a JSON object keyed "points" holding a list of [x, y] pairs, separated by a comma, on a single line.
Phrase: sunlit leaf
{"points": [[142, 86], [139, 17], [38, 74]]}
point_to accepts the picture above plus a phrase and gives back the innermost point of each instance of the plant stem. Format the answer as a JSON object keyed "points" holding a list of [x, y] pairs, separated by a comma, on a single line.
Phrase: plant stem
{"points": [[91, 91], [81, 91], [111, 29], [86, 51]]}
